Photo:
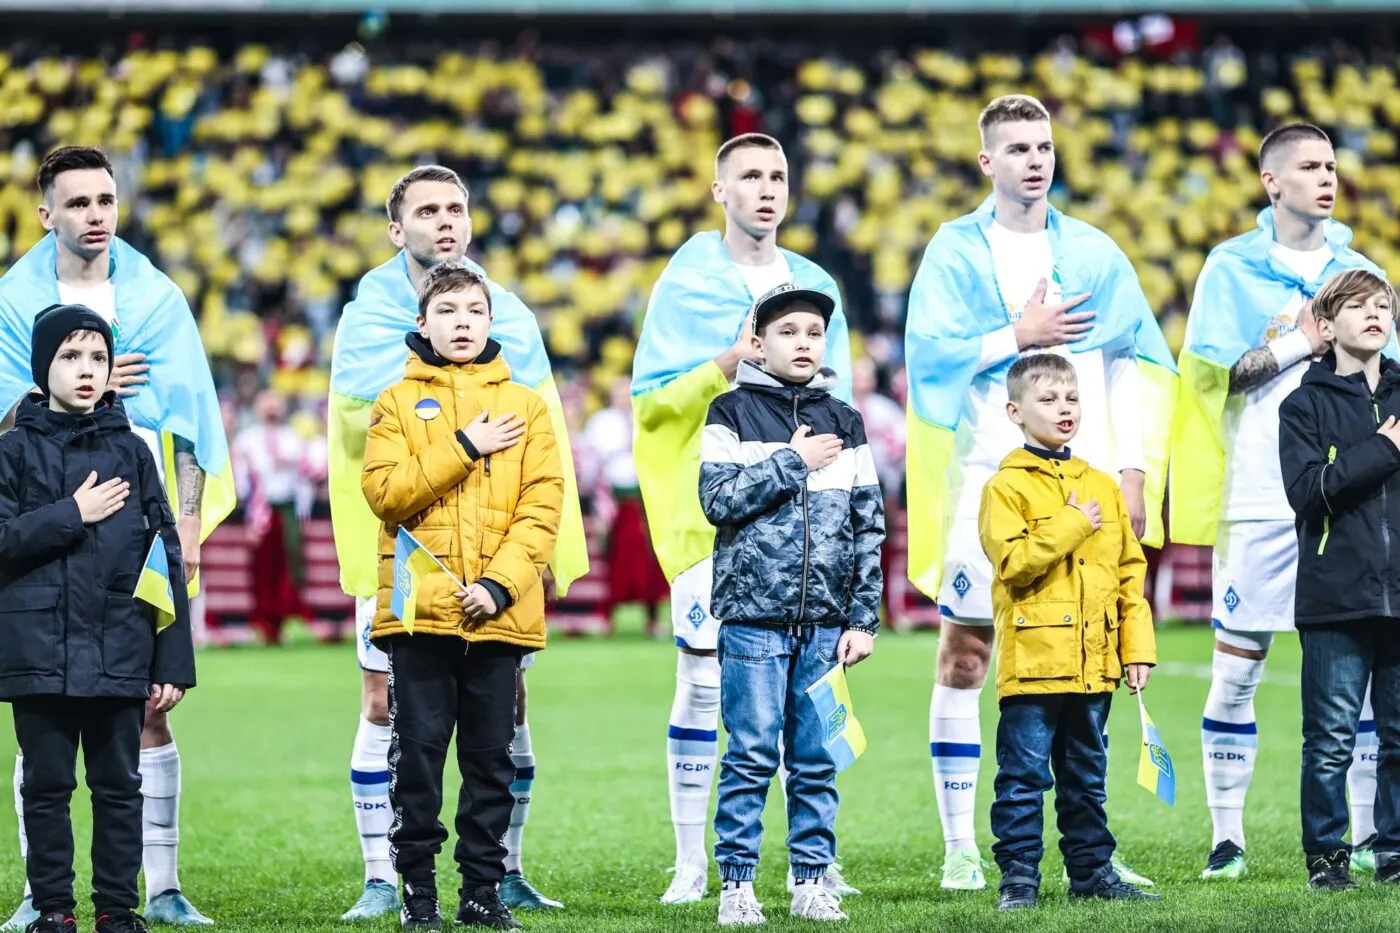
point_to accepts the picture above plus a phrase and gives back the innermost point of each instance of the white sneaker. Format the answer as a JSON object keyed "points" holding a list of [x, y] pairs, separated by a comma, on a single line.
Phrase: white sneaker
{"points": [[739, 908], [834, 881], [688, 886], [816, 902]]}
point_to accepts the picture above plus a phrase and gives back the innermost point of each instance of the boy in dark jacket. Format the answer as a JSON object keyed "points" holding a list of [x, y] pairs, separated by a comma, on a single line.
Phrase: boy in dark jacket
{"points": [[1339, 444], [80, 505], [787, 477]]}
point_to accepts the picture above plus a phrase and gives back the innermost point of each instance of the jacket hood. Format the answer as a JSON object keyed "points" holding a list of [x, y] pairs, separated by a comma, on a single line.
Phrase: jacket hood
{"points": [[109, 415], [753, 376], [1023, 459], [1323, 372], [425, 365]]}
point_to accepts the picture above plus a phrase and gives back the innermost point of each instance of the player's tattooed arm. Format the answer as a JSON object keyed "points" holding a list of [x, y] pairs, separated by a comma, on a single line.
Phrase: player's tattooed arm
{"points": [[189, 479], [1254, 369]]}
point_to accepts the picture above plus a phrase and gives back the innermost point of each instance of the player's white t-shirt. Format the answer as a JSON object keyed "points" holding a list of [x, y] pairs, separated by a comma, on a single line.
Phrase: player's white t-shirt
{"points": [[103, 299], [1253, 477], [762, 279], [1110, 435]]}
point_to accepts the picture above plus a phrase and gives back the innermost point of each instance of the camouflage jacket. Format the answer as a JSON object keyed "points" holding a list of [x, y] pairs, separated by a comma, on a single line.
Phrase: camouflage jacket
{"points": [[792, 546]]}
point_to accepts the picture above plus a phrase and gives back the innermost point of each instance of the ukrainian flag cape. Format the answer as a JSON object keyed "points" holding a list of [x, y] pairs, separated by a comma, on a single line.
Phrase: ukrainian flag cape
{"points": [[1240, 289], [152, 318], [696, 311], [955, 302], [368, 358]]}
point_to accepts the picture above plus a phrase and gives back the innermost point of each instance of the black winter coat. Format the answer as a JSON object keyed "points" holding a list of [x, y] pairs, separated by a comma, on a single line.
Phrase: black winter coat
{"points": [[69, 624], [1343, 481]]}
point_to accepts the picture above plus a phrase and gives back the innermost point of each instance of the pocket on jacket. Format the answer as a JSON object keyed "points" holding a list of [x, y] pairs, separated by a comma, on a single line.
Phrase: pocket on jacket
{"points": [[1047, 640], [29, 630], [1112, 653], [128, 639]]}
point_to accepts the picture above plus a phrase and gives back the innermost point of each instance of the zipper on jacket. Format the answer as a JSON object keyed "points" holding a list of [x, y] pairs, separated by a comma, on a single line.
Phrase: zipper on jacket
{"points": [[1326, 519], [1385, 522], [806, 523]]}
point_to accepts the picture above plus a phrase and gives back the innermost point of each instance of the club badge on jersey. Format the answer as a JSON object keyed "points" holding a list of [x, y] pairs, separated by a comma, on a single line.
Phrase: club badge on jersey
{"points": [[1054, 294]]}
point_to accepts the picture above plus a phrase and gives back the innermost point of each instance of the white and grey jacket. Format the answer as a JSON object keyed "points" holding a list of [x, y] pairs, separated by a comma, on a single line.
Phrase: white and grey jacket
{"points": [[793, 546]]}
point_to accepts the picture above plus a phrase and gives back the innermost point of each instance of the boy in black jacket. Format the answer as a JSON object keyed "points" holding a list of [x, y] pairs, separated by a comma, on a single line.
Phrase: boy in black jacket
{"points": [[787, 478], [1339, 443], [80, 504]]}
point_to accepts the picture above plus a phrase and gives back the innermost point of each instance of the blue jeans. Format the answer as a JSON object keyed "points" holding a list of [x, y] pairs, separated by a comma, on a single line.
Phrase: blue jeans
{"points": [[1337, 660], [764, 674], [1043, 742]]}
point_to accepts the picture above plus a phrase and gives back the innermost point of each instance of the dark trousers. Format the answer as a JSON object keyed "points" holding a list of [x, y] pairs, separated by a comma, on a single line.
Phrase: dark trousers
{"points": [[1338, 658], [1043, 742], [438, 683], [49, 730]]}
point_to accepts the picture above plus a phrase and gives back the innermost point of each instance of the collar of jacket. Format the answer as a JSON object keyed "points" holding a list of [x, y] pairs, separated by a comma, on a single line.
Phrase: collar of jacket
{"points": [[1323, 372], [424, 364], [755, 377], [1061, 454], [33, 413], [1023, 459]]}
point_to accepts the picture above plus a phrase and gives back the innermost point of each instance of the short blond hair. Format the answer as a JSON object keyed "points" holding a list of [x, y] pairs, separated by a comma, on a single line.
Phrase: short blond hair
{"points": [[746, 141], [1351, 285], [1012, 108], [1036, 368]]}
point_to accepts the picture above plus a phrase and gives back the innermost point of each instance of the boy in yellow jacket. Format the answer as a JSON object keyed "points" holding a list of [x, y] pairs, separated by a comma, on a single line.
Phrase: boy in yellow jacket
{"points": [[465, 460], [1071, 621]]}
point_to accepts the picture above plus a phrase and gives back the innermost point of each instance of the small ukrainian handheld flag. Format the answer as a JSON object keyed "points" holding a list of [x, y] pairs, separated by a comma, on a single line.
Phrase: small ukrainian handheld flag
{"points": [[841, 731], [153, 586], [412, 562], [1155, 769]]}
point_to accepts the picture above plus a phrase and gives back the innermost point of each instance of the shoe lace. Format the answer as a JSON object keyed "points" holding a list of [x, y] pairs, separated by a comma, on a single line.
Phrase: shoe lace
{"points": [[128, 922], [420, 905], [819, 901], [486, 901], [53, 923], [1224, 854]]}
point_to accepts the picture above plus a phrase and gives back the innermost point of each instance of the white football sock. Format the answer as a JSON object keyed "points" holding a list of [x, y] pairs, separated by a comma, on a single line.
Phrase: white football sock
{"points": [[692, 745], [369, 789], [19, 814], [522, 755], [160, 818], [1230, 742], [1361, 779], [955, 744]]}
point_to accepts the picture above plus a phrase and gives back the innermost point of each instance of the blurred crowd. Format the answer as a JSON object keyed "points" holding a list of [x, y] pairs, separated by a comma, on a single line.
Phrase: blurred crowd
{"points": [[254, 174]]}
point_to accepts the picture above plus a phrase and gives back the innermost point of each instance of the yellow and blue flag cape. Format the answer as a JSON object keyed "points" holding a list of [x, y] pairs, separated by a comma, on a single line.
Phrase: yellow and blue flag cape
{"points": [[1240, 290], [955, 302], [152, 318], [696, 311], [412, 562], [842, 734], [368, 358], [153, 586], [1155, 769]]}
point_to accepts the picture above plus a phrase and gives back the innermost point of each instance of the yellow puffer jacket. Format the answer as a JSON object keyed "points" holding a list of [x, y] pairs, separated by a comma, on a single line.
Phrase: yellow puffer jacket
{"points": [[1068, 600], [494, 518]]}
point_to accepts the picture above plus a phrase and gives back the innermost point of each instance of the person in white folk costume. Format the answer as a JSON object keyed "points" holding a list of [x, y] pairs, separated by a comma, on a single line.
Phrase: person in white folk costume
{"points": [[163, 376], [696, 332], [1249, 337], [1014, 276]]}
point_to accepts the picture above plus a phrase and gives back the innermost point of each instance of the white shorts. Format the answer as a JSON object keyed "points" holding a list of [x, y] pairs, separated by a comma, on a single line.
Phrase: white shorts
{"points": [[691, 622], [371, 658], [1253, 572], [966, 594]]}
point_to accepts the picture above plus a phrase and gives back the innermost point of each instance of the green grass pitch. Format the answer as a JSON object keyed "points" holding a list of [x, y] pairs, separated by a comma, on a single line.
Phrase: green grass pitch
{"points": [[269, 842]]}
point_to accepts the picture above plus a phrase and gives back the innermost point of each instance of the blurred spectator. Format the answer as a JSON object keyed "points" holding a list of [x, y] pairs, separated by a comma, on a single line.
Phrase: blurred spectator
{"points": [[634, 576], [280, 495]]}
